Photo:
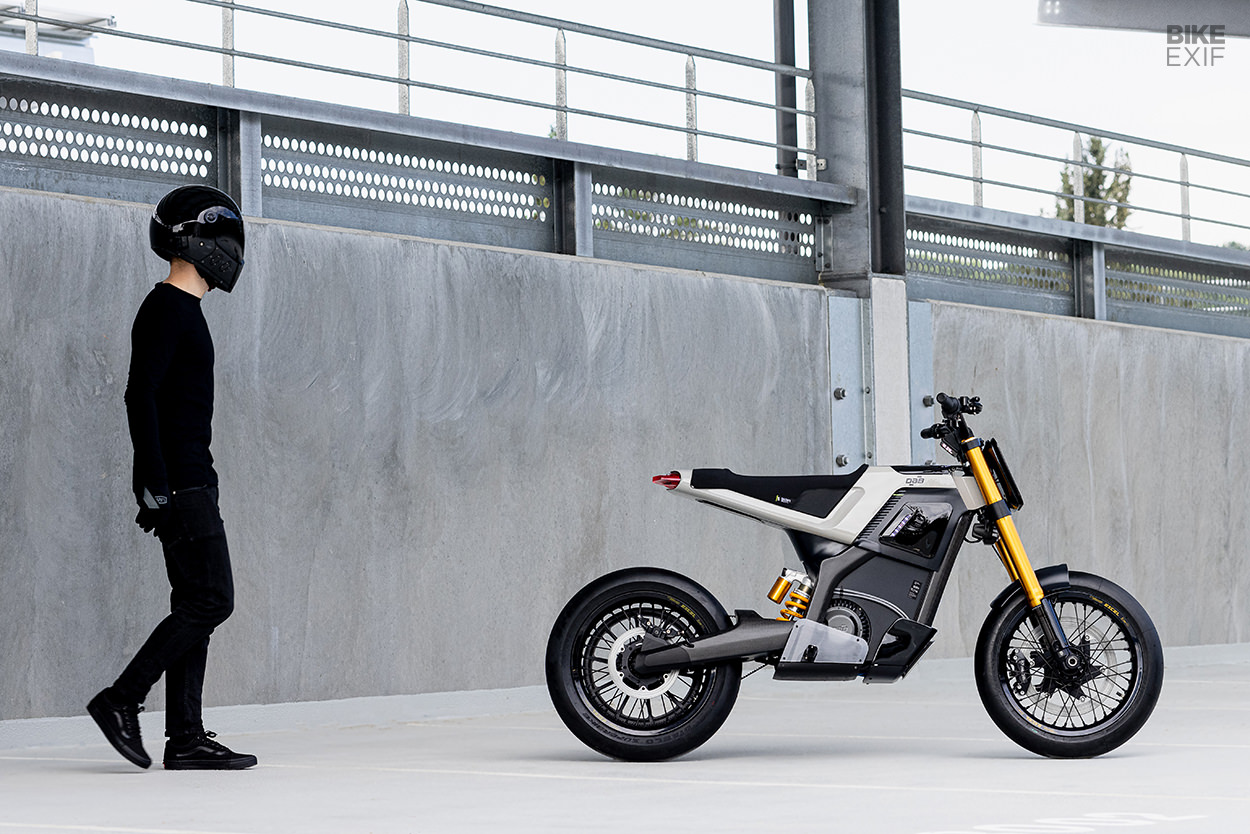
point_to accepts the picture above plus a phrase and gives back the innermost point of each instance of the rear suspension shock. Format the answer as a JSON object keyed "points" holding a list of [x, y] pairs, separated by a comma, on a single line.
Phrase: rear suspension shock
{"points": [[799, 586]]}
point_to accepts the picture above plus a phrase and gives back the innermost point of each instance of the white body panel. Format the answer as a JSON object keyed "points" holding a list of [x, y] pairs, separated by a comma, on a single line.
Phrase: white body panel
{"points": [[851, 515]]}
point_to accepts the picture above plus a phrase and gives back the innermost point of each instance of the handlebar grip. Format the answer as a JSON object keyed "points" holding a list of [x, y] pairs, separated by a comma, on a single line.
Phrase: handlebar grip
{"points": [[953, 406], [929, 433], [950, 405]]}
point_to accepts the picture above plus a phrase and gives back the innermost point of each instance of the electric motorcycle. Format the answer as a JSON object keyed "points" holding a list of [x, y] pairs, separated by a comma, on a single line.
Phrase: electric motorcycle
{"points": [[644, 664]]}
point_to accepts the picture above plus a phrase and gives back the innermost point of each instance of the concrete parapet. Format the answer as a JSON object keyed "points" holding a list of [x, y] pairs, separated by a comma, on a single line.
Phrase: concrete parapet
{"points": [[424, 449], [1130, 448]]}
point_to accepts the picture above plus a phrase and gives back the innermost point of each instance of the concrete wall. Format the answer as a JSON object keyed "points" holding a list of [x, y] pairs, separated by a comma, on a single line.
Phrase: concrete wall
{"points": [[1131, 446], [424, 450]]}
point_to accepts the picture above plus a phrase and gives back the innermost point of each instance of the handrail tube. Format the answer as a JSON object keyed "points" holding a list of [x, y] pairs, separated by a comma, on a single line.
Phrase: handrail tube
{"points": [[268, 104], [1034, 190], [1067, 161], [482, 53], [409, 82], [1046, 122], [551, 23]]}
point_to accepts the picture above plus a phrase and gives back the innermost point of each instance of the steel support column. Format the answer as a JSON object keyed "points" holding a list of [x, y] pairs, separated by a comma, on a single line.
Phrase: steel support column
{"points": [[885, 96], [573, 219], [1089, 274], [239, 159], [854, 49], [787, 120]]}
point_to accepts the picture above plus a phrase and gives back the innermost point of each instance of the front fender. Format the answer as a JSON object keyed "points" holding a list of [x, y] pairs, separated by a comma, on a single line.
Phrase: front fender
{"points": [[1052, 578]]}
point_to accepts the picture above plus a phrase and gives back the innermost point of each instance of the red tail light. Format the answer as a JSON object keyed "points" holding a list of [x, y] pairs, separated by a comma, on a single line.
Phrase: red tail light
{"points": [[669, 481]]}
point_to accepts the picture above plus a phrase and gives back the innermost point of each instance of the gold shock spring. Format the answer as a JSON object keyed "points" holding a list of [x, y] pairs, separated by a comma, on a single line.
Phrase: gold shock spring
{"points": [[795, 605]]}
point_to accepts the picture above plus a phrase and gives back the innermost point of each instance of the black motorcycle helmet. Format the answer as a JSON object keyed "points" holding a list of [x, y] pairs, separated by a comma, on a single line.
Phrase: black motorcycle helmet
{"points": [[204, 227]]}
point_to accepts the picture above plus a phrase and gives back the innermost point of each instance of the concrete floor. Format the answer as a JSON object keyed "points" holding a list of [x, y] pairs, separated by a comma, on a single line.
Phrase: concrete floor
{"points": [[917, 757]]}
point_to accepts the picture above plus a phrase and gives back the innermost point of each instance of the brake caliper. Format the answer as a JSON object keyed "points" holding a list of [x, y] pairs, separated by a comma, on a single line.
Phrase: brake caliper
{"points": [[1019, 672]]}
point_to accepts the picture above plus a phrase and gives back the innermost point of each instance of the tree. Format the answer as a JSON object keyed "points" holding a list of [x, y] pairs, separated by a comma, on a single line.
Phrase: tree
{"points": [[1111, 186]]}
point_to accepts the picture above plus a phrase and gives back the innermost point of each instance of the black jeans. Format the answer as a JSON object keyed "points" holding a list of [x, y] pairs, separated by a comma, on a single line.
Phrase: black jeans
{"points": [[201, 598]]}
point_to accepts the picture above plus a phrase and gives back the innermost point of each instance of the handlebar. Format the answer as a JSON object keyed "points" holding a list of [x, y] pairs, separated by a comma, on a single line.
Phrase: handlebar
{"points": [[952, 408]]}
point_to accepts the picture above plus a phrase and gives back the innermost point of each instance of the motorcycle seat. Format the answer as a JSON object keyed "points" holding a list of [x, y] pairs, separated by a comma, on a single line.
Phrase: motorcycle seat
{"points": [[814, 495]]}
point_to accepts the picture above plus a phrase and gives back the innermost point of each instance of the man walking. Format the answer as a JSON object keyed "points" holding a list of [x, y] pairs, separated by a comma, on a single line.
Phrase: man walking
{"points": [[169, 406]]}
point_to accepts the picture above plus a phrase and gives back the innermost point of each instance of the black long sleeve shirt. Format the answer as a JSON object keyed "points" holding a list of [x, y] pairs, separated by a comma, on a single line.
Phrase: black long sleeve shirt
{"points": [[169, 394]]}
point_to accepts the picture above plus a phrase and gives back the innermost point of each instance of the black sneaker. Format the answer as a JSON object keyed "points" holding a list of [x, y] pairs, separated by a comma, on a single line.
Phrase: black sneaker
{"points": [[202, 753], [120, 725]]}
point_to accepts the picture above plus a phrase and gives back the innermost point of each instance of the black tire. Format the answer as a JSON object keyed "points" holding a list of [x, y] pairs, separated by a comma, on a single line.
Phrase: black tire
{"points": [[608, 706], [1040, 710]]}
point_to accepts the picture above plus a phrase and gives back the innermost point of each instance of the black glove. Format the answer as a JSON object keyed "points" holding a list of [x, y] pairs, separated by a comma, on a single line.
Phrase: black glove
{"points": [[153, 510]]}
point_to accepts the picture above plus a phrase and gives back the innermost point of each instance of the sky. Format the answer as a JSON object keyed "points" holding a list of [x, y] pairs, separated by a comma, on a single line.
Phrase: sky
{"points": [[996, 54], [991, 52]]}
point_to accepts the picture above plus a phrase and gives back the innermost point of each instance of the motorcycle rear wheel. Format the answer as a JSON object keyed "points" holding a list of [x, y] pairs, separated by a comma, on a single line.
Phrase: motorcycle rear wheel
{"points": [[1059, 716], [603, 700]]}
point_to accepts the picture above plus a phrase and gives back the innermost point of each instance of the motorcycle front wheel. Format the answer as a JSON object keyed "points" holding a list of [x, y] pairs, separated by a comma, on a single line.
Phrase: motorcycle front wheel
{"points": [[603, 699], [1064, 715]]}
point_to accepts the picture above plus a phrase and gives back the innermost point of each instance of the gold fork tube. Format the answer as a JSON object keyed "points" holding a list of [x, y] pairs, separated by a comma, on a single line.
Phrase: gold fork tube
{"points": [[1006, 559], [1010, 548]]}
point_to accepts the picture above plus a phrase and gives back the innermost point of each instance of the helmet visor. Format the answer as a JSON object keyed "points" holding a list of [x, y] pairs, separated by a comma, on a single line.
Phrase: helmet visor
{"points": [[209, 217]]}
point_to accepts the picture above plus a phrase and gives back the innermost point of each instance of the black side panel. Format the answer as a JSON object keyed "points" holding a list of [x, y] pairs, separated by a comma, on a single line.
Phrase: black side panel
{"points": [[937, 585], [814, 495], [915, 540], [917, 526], [817, 671], [898, 583], [830, 574], [813, 550], [903, 646]]}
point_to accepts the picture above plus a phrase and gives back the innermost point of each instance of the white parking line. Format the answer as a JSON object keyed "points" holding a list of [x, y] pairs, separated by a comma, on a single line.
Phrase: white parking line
{"points": [[747, 783], [108, 829]]}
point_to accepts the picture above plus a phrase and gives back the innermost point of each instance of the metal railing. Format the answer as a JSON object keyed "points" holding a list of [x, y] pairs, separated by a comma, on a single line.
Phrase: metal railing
{"points": [[95, 131], [749, 122], [1161, 204], [101, 132], [987, 156], [977, 255]]}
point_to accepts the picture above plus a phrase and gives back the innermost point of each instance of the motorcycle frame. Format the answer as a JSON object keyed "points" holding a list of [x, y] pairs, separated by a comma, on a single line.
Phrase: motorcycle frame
{"points": [[852, 543]]}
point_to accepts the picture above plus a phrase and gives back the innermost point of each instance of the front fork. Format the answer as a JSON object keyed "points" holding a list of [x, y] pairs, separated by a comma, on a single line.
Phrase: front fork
{"points": [[1011, 551]]}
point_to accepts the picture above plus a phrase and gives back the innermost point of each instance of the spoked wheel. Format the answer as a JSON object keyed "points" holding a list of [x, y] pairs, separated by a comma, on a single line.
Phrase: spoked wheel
{"points": [[1076, 713], [605, 700]]}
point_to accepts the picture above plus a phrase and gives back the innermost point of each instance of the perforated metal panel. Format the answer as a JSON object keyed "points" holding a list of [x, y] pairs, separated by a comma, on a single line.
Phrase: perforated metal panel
{"points": [[78, 141], [732, 232], [337, 166], [981, 264], [1042, 266], [1216, 291], [1175, 292], [366, 179]]}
